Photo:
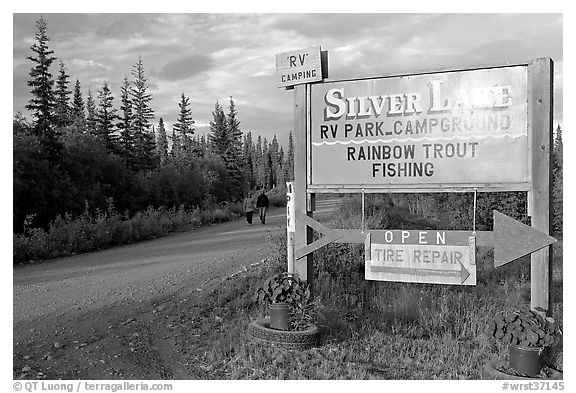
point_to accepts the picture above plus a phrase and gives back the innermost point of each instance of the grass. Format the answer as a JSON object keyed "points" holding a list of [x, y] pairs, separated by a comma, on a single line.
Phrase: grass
{"points": [[370, 330]]}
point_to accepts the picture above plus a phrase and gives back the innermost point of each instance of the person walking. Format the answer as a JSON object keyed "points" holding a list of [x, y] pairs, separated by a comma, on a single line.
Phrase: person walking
{"points": [[262, 204], [248, 206]]}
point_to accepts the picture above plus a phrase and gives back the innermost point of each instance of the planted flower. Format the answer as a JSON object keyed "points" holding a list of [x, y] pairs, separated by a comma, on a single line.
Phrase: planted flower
{"points": [[523, 327], [285, 295]]}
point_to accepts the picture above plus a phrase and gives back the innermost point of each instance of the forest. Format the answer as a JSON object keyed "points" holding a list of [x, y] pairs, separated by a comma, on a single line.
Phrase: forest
{"points": [[89, 154], [83, 154]]}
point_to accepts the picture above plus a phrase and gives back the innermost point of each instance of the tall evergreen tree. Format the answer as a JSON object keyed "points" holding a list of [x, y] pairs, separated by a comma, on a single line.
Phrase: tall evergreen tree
{"points": [[62, 110], [106, 116], [218, 137], [248, 154], [184, 124], [234, 159], [41, 83], [265, 177], [144, 141], [234, 132], [91, 116], [162, 143], [275, 159], [176, 144], [558, 182], [78, 115], [124, 125]]}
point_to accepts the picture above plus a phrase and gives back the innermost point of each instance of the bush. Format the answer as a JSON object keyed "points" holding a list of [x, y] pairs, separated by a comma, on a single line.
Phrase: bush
{"points": [[277, 196], [68, 236]]}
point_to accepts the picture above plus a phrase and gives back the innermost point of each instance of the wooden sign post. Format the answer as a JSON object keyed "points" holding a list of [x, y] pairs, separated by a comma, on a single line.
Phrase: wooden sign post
{"points": [[297, 69], [540, 115], [302, 203]]}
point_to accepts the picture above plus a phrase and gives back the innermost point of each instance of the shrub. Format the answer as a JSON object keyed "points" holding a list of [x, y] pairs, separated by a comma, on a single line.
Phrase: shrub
{"points": [[67, 235]]}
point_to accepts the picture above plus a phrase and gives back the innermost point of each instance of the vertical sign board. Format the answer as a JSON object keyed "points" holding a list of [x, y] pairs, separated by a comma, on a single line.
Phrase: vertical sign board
{"points": [[437, 132], [298, 67], [290, 225], [435, 257]]}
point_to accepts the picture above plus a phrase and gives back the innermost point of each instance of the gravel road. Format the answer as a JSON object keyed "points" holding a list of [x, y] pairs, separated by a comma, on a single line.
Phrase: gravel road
{"points": [[70, 314]]}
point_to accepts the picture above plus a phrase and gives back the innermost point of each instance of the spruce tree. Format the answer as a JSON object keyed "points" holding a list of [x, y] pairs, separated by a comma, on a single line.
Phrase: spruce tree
{"points": [[234, 132], [124, 125], [248, 154], [218, 137], [184, 125], [41, 83], [162, 143], [144, 141], [275, 159], [91, 117], [77, 114], [176, 144], [234, 159], [62, 109], [558, 180], [106, 115]]}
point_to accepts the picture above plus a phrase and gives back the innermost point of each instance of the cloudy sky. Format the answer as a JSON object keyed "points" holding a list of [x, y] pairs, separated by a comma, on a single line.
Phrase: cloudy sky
{"points": [[211, 57]]}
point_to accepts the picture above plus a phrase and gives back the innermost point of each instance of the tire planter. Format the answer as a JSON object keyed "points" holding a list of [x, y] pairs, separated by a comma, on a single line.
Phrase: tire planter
{"points": [[491, 372], [260, 331]]}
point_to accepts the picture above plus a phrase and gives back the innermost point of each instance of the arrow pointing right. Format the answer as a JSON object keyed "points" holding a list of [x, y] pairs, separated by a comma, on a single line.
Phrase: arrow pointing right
{"points": [[463, 273], [513, 240]]}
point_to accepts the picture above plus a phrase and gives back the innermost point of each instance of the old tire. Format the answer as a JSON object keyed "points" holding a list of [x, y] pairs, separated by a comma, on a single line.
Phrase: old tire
{"points": [[261, 332], [490, 371]]}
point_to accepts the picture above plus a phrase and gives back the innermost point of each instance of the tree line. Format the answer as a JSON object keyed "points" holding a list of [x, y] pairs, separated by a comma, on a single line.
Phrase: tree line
{"points": [[87, 154]]}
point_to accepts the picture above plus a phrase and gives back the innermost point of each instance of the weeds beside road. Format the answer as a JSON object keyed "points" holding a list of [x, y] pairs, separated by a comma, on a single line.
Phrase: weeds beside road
{"points": [[86, 233]]}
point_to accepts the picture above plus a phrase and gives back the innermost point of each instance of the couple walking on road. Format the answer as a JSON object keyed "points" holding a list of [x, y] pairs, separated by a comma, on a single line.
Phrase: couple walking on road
{"points": [[262, 204]]}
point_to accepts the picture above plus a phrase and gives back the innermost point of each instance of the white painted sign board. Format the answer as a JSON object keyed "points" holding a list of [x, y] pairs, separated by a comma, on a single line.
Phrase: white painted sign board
{"points": [[298, 67], [420, 257], [445, 130]]}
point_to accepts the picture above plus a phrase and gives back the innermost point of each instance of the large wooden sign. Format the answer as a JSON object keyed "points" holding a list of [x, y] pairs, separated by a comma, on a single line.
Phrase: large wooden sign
{"points": [[446, 130], [436, 257], [298, 67], [480, 129]]}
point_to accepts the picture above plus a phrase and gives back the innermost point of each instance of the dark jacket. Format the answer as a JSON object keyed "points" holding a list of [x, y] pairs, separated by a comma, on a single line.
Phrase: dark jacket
{"points": [[262, 201]]}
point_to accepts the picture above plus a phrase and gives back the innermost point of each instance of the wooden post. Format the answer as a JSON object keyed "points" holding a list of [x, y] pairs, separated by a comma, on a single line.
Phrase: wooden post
{"points": [[540, 119], [303, 236]]}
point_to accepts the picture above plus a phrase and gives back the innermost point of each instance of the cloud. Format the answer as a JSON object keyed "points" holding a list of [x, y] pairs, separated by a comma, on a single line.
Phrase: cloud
{"points": [[90, 64], [185, 67]]}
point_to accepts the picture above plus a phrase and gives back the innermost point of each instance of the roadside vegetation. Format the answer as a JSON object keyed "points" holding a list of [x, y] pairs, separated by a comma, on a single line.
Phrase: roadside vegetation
{"points": [[82, 148], [74, 235], [370, 329]]}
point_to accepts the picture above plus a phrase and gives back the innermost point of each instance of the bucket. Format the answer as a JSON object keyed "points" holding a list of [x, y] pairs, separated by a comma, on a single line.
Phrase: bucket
{"points": [[279, 316], [525, 360]]}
